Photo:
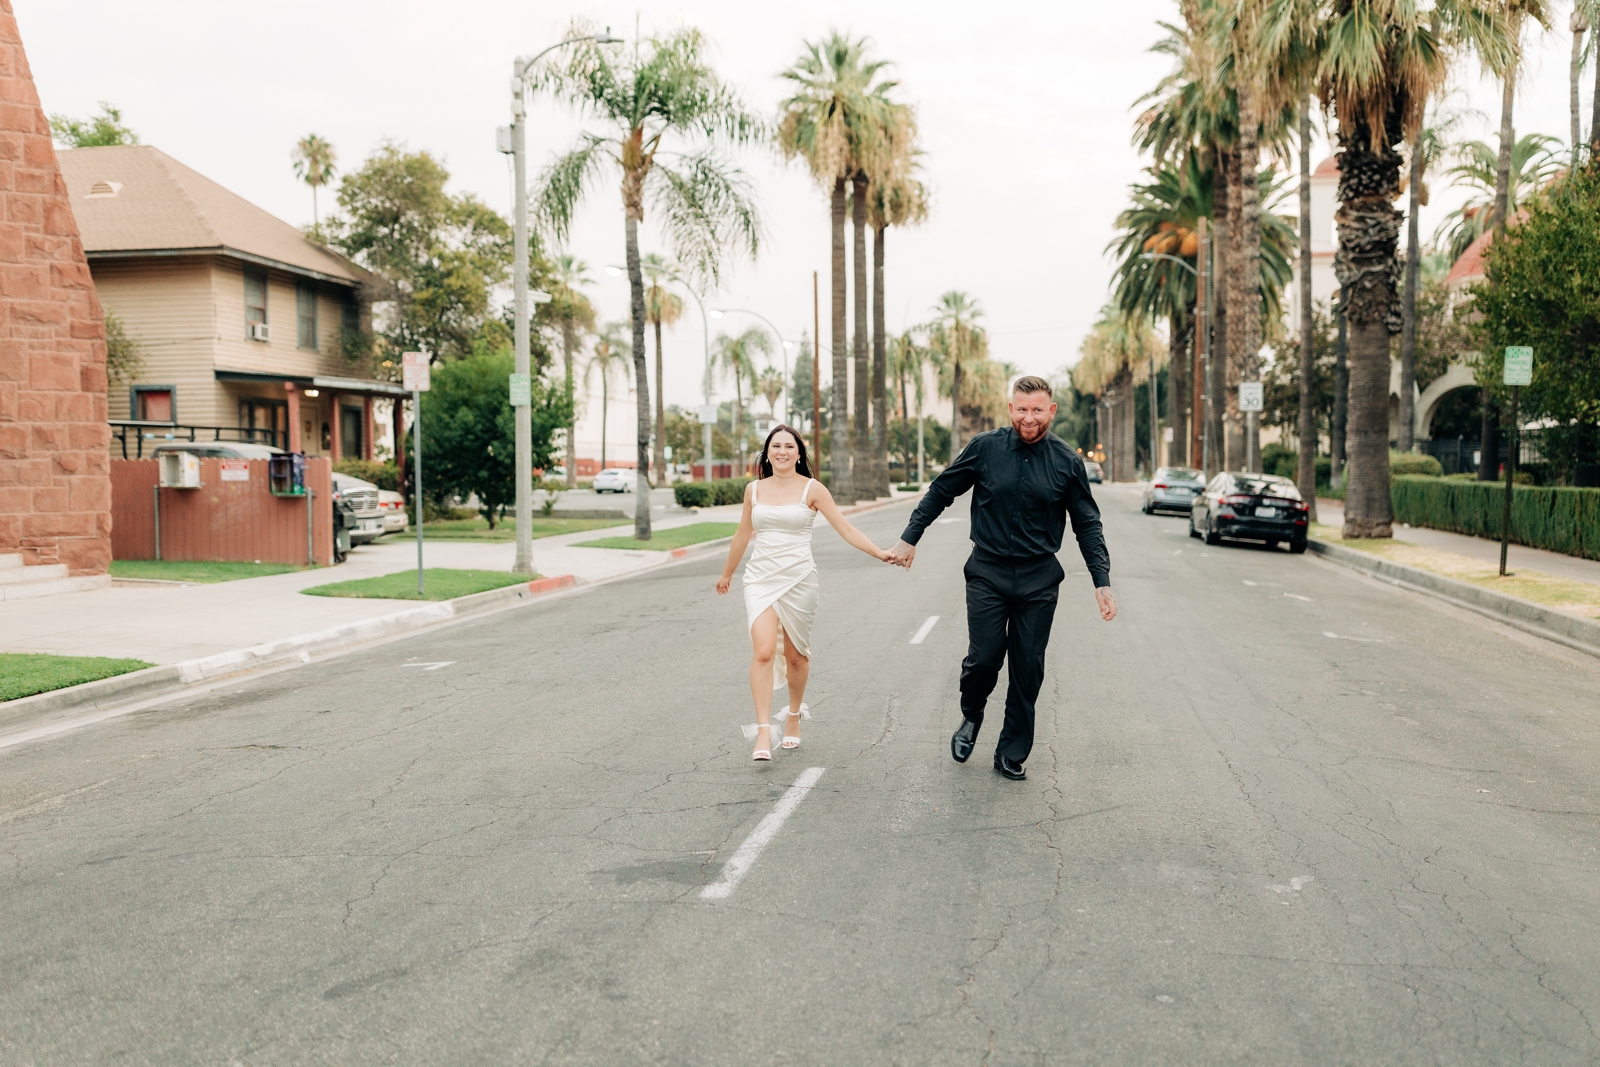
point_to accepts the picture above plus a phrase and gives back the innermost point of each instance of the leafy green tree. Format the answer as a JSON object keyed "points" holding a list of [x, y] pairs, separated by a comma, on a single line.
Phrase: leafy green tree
{"points": [[313, 160], [441, 256], [124, 352], [1543, 290], [469, 434], [660, 92], [96, 131]]}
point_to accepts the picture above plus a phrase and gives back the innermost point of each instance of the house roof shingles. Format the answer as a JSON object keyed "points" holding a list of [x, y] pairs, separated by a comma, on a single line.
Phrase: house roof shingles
{"points": [[162, 206]]}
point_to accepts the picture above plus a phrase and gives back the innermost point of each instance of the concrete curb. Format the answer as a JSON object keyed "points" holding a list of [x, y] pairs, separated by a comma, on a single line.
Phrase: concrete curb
{"points": [[156, 681], [1570, 630]]}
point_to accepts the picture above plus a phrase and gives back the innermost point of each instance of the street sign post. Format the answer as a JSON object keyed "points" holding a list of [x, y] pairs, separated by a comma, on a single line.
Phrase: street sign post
{"points": [[1518, 372], [1250, 402], [414, 376]]}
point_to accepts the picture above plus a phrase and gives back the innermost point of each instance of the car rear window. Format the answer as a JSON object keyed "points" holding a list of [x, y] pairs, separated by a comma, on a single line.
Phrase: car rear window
{"points": [[1262, 487]]}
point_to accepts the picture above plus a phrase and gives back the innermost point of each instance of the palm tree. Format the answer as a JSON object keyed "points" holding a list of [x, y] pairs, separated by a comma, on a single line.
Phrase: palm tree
{"points": [[1383, 60], [661, 307], [907, 360], [1112, 358], [1534, 161], [1584, 14], [660, 91], [894, 199], [770, 386], [610, 356], [735, 355], [573, 312], [313, 160], [834, 121], [956, 339]]}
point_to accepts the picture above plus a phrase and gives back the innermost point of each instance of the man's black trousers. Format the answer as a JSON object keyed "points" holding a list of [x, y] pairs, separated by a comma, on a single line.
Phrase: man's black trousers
{"points": [[1010, 606]]}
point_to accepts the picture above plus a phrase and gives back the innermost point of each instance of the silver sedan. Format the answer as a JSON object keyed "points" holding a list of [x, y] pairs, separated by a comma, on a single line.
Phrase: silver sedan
{"points": [[1173, 489]]}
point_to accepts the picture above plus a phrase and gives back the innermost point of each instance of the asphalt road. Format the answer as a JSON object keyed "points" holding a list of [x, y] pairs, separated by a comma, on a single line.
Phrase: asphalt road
{"points": [[1308, 820]]}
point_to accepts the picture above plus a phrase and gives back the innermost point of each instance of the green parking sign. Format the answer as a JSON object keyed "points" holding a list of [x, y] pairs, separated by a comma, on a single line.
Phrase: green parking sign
{"points": [[521, 390], [1519, 365]]}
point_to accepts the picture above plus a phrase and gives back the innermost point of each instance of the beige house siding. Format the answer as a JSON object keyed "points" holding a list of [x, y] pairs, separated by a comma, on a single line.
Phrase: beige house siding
{"points": [[166, 306], [281, 355]]}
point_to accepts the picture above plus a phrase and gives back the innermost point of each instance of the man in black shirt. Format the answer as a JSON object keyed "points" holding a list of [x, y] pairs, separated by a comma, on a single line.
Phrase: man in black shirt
{"points": [[1026, 483]]}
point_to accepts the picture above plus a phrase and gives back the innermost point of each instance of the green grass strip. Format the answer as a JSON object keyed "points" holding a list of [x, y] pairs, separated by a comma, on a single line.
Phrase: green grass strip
{"points": [[441, 583], [478, 529], [667, 540], [22, 674], [179, 570]]}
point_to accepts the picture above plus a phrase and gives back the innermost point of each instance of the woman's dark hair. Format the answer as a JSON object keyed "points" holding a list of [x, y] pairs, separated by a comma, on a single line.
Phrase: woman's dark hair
{"points": [[802, 465]]}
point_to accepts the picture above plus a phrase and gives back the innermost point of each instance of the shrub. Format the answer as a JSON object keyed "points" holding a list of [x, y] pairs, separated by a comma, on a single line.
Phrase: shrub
{"points": [[1414, 463], [382, 475], [693, 494], [1280, 460], [1323, 465], [1557, 519], [729, 490]]}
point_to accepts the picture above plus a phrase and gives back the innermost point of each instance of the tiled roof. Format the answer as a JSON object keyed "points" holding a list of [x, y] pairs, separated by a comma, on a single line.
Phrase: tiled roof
{"points": [[135, 198], [1328, 168], [1469, 264]]}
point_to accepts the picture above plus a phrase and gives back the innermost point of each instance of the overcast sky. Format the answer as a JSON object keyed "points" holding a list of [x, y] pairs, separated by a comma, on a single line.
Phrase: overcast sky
{"points": [[1025, 113]]}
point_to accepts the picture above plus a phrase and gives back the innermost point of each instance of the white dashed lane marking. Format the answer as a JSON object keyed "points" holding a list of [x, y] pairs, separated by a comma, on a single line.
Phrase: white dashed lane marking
{"points": [[924, 630], [740, 863]]}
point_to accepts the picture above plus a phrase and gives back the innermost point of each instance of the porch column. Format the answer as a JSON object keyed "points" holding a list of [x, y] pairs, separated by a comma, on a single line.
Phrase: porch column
{"points": [[335, 451], [366, 428], [400, 439], [294, 416]]}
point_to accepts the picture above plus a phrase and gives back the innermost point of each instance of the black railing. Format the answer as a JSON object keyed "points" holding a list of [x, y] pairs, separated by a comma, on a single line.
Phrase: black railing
{"points": [[1459, 455], [161, 433]]}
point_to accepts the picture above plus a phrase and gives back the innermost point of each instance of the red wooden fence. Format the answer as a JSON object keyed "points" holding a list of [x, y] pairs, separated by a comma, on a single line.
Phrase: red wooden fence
{"points": [[232, 520]]}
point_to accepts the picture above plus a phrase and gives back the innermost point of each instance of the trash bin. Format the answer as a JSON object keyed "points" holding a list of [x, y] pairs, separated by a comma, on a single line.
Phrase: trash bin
{"points": [[344, 521]]}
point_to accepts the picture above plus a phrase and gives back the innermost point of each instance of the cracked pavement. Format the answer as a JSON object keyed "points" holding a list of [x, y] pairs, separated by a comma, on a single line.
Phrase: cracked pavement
{"points": [[1240, 841]]}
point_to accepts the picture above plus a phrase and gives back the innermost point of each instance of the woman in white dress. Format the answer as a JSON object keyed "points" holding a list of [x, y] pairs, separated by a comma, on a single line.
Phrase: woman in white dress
{"points": [[780, 581]]}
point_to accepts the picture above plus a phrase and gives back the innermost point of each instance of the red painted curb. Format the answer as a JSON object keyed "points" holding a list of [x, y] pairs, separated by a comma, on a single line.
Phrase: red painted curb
{"points": [[544, 585], [679, 553]]}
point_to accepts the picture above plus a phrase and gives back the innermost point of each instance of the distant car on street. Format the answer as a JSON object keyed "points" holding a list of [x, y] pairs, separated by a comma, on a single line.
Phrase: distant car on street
{"points": [[1096, 475], [1254, 507], [615, 480], [1173, 489], [393, 506]]}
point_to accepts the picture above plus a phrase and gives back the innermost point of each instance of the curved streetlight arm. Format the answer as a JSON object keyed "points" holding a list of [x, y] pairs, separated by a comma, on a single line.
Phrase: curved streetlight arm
{"points": [[1175, 259], [521, 65], [783, 346]]}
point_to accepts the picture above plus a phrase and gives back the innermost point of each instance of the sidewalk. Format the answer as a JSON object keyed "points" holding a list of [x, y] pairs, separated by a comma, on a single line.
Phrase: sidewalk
{"points": [[1576, 568], [169, 624]]}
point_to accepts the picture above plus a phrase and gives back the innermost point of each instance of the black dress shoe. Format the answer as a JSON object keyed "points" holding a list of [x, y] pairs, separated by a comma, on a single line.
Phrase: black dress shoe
{"points": [[961, 742], [1008, 768]]}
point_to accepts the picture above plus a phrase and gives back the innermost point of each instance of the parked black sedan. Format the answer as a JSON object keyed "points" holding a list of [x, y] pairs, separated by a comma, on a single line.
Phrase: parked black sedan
{"points": [[1254, 507]]}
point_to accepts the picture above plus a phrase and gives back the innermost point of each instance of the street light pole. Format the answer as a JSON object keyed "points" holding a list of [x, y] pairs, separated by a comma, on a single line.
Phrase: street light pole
{"points": [[519, 281]]}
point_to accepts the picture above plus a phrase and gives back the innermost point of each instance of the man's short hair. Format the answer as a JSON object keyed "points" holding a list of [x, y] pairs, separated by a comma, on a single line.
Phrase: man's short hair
{"points": [[1031, 383]]}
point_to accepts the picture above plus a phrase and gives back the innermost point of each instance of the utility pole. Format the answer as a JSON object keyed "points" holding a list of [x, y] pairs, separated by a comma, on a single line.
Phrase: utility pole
{"points": [[816, 378]]}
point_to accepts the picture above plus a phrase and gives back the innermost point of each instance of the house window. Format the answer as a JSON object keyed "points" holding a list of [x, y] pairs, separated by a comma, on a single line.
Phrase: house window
{"points": [[153, 403], [305, 300], [255, 302], [267, 419]]}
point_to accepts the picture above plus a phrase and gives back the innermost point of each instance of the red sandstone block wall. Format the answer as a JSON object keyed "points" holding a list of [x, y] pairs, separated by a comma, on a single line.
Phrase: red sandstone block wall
{"points": [[55, 487]]}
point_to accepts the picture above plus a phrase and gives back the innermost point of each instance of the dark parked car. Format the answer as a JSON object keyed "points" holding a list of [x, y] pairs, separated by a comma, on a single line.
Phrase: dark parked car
{"points": [[1092, 469], [1173, 489], [1254, 507]]}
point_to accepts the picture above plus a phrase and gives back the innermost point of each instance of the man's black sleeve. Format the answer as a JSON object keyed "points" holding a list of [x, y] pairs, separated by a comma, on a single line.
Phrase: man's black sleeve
{"points": [[1085, 515], [951, 483]]}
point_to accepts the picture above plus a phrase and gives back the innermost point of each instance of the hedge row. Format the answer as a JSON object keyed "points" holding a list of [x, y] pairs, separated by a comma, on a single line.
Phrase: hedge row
{"points": [[1548, 517], [708, 494]]}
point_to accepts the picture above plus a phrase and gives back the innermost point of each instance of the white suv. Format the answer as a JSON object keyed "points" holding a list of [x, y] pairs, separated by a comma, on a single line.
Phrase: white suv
{"points": [[616, 480], [363, 500]]}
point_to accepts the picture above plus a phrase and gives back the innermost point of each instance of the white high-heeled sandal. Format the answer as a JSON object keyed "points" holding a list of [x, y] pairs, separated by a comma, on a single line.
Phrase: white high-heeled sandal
{"points": [[792, 741], [761, 755]]}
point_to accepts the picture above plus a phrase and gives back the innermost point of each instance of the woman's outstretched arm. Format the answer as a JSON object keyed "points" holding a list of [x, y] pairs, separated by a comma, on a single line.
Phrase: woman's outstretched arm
{"points": [[741, 540], [822, 500]]}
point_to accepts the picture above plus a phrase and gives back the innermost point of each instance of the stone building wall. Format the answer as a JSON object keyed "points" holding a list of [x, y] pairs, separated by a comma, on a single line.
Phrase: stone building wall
{"points": [[55, 487]]}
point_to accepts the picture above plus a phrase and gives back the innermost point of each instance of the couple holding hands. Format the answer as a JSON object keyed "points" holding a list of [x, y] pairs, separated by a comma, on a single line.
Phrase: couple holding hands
{"points": [[1026, 485]]}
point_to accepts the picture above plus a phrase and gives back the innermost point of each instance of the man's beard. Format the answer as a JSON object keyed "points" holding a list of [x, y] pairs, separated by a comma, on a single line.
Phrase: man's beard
{"points": [[1016, 424]]}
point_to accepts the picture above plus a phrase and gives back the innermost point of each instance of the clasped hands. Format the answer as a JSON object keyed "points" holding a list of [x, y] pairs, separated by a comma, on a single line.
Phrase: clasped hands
{"points": [[902, 554]]}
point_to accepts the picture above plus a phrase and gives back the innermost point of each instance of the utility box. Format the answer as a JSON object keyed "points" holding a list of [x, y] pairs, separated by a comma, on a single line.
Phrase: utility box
{"points": [[286, 474], [180, 470]]}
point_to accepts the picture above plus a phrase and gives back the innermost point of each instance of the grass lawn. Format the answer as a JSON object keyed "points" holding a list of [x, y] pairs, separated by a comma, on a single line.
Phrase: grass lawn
{"points": [[178, 570], [23, 674], [478, 529], [666, 540], [1563, 594], [441, 584]]}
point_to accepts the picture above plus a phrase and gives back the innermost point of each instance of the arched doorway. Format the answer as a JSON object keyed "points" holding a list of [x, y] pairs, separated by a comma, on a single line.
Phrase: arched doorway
{"points": [[1454, 428]]}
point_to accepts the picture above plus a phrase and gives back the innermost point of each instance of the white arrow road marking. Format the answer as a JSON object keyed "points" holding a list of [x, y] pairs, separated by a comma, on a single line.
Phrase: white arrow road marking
{"points": [[924, 630], [740, 863], [1344, 637], [1249, 582], [1297, 596], [429, 666]]}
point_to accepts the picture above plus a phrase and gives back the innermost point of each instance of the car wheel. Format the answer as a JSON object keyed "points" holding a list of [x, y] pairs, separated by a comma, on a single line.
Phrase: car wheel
{"points": [[1145, 509], [1212, 537], [1192, 531], [1298, 545]]}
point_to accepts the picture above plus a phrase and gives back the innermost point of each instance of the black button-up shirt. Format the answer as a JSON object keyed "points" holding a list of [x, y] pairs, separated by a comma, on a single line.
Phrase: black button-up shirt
{"points": [[1022, 496]]}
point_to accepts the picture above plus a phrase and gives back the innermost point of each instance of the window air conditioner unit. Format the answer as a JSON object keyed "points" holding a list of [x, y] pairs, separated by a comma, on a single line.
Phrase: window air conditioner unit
{"points": [[180, 470], [260, 331]]}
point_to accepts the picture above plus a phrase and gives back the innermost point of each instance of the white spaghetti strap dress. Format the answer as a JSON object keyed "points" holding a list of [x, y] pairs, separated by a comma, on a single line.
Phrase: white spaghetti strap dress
{"points": [[782, 574]]}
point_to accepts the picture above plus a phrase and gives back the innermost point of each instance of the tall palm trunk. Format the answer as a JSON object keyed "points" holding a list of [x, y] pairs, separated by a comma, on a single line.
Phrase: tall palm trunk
{"points": [[660, 457], [641, 378], [1220, 350], [605, 411], [1594, 116], [1339, 418], [569, 341], [1579, 26], [1369, 237], [1248, 267], [842, 487], [880, 372], [860, 446], [1306, 467], [1180, 330], [1489, 452], [1405, 436], [1231, 245]]}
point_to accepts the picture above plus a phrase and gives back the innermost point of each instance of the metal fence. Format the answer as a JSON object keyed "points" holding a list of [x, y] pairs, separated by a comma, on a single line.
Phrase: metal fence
{"points": [[1461, 455], [162, 433]]}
